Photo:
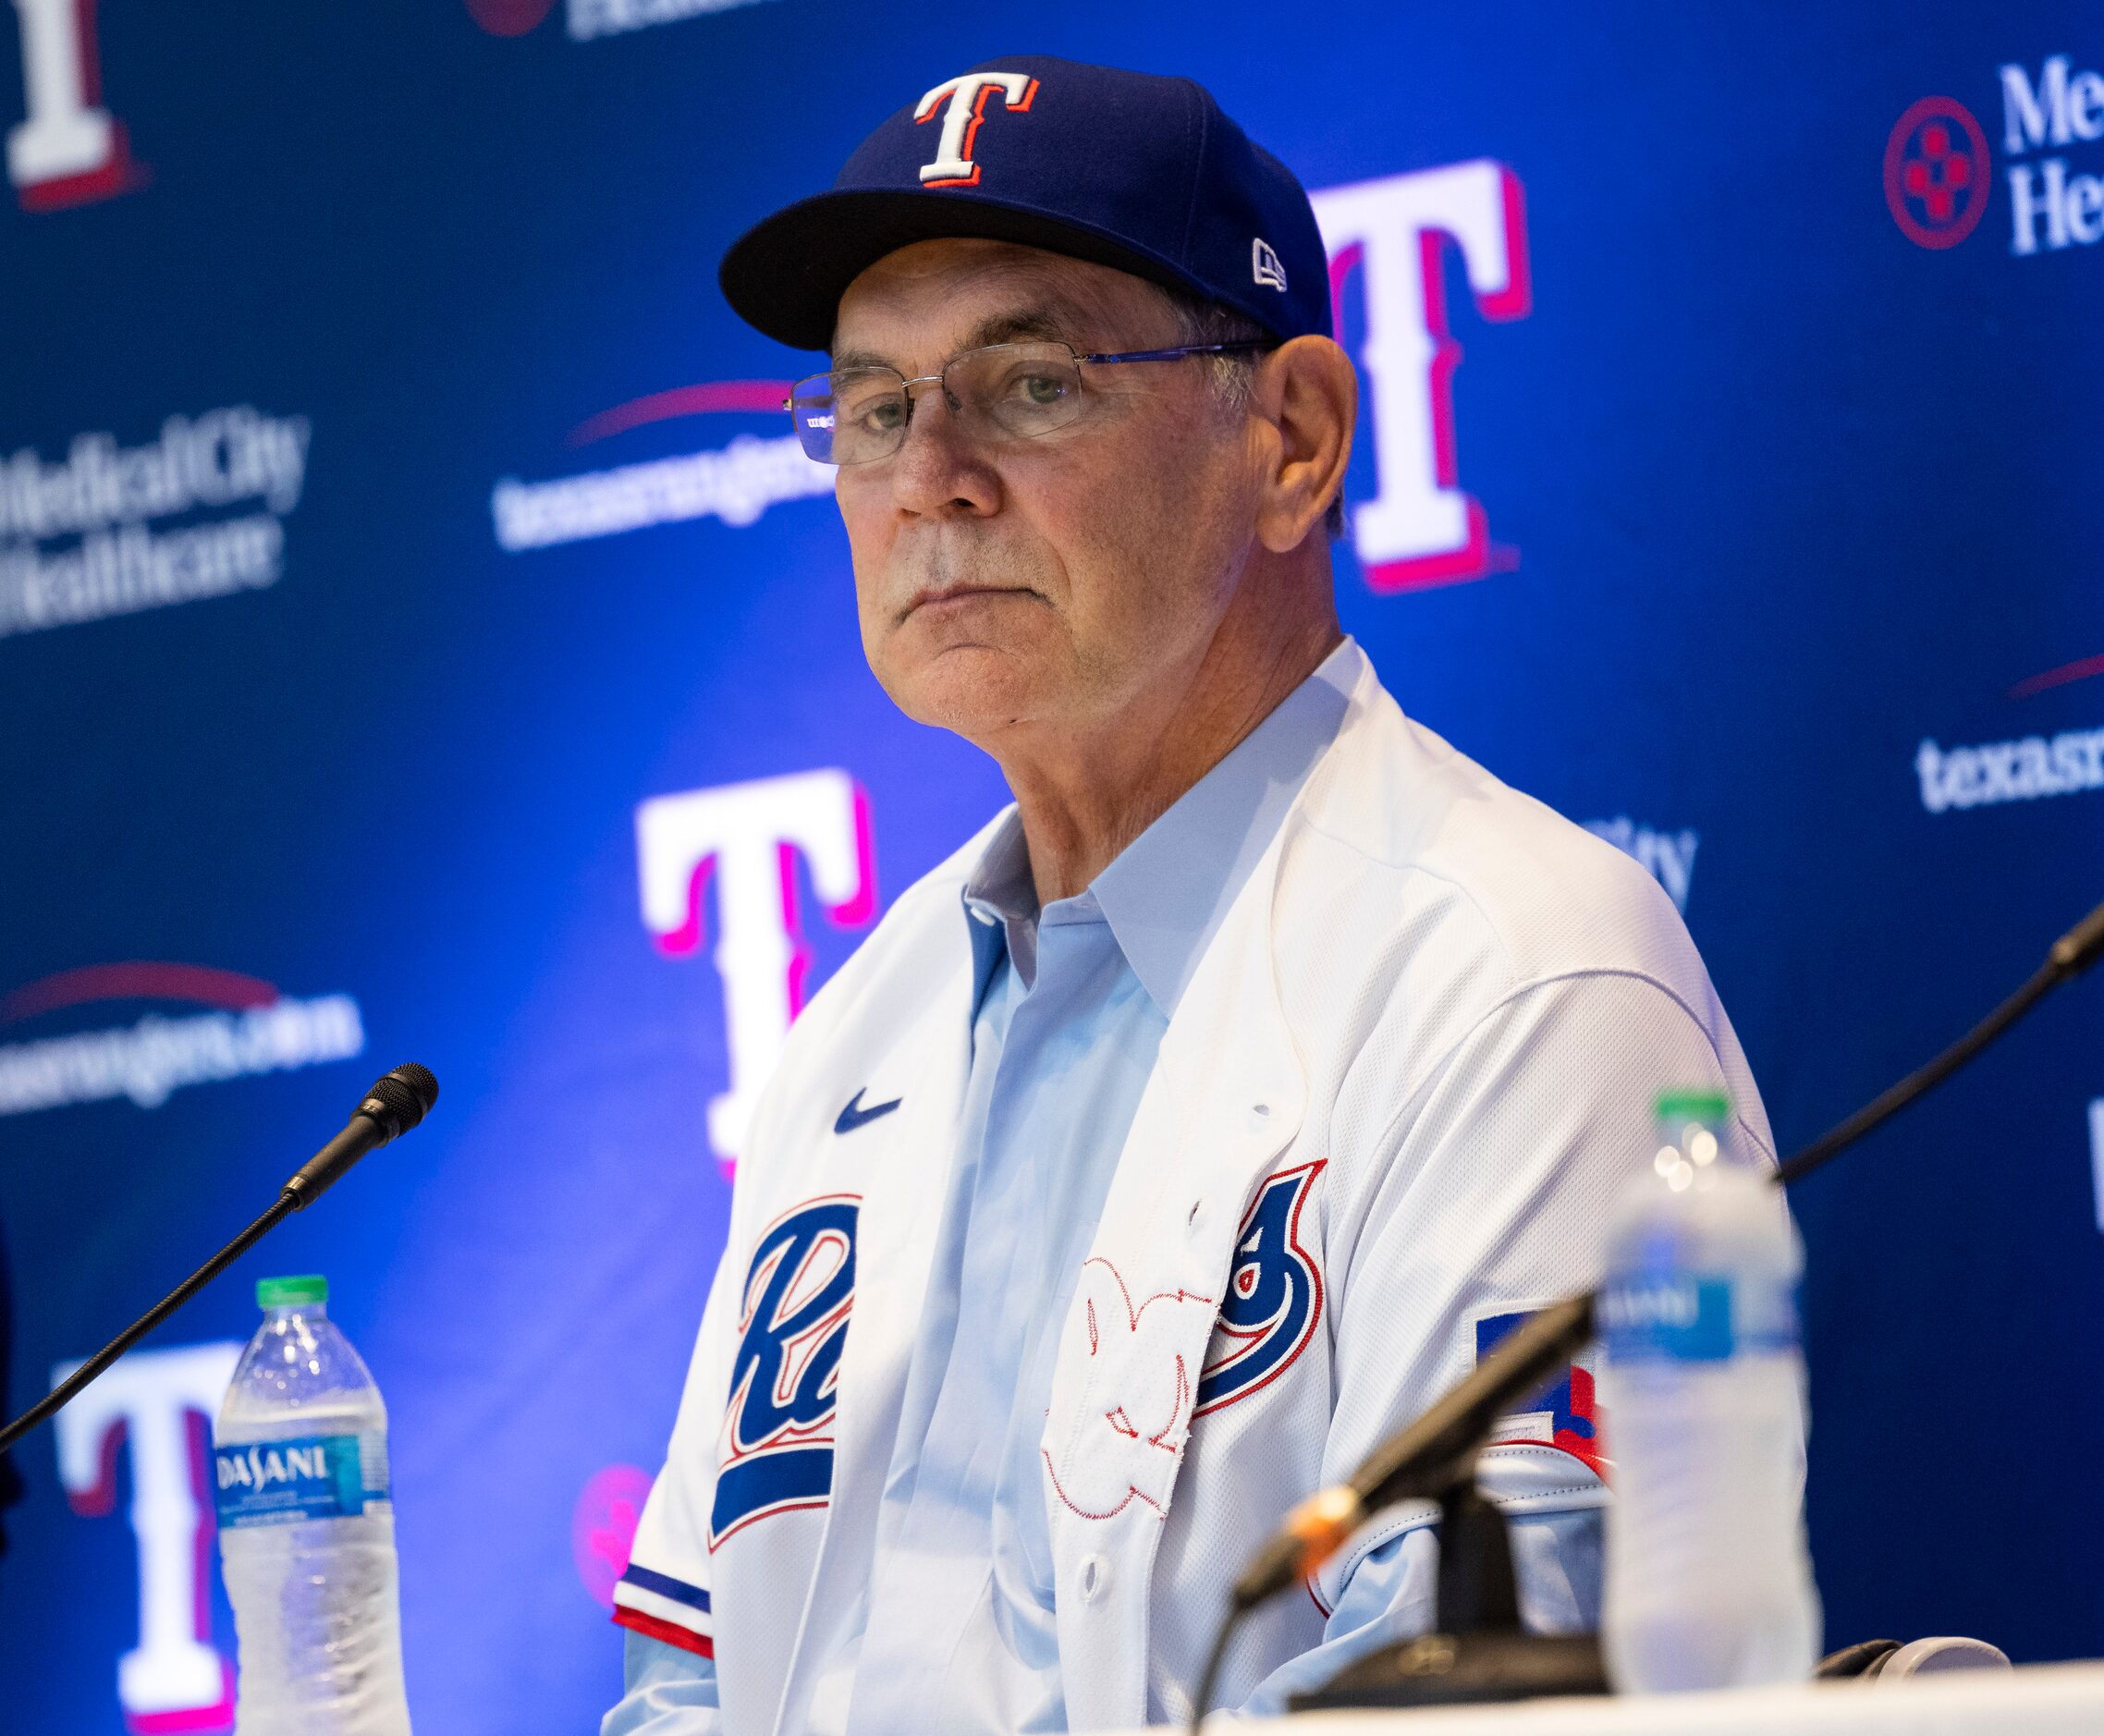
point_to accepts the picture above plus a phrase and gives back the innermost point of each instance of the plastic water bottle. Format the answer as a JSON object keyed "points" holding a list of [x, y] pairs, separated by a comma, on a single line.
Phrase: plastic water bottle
{"points": [[306, 1528], [1709, 1580]]}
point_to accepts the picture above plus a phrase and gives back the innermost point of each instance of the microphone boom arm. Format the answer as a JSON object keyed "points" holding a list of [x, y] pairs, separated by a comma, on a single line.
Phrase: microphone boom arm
{"points": [[398, 1101], [60, 1395]]}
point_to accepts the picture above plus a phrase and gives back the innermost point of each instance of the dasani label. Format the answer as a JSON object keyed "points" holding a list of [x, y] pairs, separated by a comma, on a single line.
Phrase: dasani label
{"points": [[317, 1476]]}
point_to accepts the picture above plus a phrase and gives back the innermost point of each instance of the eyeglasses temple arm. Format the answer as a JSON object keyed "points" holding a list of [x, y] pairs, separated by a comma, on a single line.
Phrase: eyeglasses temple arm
{"points": [[1179, 351]]}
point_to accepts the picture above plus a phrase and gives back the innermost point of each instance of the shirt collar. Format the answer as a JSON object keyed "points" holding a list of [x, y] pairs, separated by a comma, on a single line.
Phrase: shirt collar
{"points": [[1002, 902], [1167, 892]]}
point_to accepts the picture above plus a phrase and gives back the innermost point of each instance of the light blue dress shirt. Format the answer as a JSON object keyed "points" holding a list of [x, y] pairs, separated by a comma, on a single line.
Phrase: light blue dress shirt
{"points": [[958, 1624]]}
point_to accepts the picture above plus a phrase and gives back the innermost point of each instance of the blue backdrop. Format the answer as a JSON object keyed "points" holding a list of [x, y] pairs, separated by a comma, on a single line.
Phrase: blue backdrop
{"points": [[386, 517]]}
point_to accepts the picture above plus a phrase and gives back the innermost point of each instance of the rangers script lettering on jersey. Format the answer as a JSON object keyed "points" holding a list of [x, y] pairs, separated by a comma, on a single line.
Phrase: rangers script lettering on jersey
{"points": [[784, 1385], [1274, 1299]]}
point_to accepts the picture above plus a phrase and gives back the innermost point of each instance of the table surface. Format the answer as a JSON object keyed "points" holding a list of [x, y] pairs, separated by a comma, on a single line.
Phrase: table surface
{"points": [[2044, 1700]]}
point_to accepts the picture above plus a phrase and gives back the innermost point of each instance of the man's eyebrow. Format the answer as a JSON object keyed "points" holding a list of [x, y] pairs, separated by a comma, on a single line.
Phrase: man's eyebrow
{"points": [[1046, 322], [1028, 326], [843, 360]]}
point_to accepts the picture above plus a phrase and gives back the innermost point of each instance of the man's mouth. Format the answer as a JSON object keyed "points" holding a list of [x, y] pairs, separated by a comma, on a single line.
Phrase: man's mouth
{"points": [[955, 596]]}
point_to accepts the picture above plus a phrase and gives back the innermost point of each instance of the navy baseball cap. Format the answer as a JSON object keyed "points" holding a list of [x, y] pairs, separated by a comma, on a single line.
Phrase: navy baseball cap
{"points": [[1125, 169]]}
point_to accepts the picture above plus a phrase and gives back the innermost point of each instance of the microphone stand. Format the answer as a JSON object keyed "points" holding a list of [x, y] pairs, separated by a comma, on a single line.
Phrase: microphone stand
{"points": [[1483, 1654], [1480, 1652]]}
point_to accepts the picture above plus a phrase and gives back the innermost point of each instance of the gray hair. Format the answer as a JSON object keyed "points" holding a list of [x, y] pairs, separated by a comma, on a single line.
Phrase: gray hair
{"points": [[1199, 321]]}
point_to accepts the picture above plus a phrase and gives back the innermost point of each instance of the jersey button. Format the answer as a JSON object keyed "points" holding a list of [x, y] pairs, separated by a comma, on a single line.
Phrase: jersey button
{"points": [[1094, 1578]]}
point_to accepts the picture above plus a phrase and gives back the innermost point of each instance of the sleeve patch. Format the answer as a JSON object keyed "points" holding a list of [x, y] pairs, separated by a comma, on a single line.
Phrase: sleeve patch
{"points": [[1563, 1414]]}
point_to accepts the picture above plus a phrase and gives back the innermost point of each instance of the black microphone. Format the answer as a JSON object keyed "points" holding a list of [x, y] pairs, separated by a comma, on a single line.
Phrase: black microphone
{"points": [[1429, 1455], [399, 1100]]}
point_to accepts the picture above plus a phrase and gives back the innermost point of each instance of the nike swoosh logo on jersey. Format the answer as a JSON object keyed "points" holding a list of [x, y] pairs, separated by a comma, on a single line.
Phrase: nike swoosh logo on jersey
{"points": [[855, 1116]]}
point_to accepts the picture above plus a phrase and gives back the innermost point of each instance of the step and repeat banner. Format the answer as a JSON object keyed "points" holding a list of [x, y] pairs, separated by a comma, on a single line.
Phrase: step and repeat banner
{"points": [[422, 639]]}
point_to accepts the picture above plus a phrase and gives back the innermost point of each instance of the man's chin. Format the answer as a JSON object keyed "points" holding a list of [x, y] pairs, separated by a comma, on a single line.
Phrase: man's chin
{"points": [[973, 690]]}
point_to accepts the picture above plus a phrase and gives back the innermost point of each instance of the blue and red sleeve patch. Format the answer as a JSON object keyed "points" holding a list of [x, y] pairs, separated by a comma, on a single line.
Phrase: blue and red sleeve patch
{"points": [[1564, 1413]]}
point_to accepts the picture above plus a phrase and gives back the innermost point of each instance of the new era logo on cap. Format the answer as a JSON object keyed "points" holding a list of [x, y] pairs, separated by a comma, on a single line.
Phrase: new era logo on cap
{"points": [[1142, 174]]}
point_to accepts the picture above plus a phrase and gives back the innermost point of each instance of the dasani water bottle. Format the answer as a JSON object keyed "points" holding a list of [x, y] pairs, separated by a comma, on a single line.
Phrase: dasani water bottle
{"points": [[1709, 1582], [306, 1528]]}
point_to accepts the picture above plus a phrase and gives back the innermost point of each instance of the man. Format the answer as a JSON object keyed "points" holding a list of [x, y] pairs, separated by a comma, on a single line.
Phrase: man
{"points": [[1197, 1123]]}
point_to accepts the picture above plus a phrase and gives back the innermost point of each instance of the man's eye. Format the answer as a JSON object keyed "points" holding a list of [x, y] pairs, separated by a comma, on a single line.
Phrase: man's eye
{"points": [[1040, 390], [880, 414]]}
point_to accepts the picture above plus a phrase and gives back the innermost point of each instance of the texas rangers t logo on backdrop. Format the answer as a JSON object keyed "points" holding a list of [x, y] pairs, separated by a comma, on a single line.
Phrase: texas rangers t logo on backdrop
{"points": [[792, 1324], [69, 150], [1274, 1296], [160, 1404], [747, 837], [968, 93], [1420, 529]]}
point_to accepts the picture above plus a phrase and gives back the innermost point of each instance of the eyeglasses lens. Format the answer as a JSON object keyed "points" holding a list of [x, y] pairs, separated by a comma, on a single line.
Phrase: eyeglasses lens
{"points": [[859, 415]]}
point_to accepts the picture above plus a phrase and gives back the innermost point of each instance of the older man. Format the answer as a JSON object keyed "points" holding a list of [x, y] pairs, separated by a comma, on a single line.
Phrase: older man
{"points": [[1199, 1120]]}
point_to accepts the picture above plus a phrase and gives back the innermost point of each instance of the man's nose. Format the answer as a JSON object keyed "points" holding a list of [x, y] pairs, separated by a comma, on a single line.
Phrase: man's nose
{"points": [[938, 467], [927, 395]]}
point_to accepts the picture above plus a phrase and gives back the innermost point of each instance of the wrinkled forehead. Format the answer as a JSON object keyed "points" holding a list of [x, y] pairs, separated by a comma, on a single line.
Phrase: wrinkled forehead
{"points": [[919, 305]]}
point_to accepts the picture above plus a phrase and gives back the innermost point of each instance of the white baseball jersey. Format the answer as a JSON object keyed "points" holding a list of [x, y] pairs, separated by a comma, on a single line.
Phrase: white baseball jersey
{"points": [[1388, 1117]]}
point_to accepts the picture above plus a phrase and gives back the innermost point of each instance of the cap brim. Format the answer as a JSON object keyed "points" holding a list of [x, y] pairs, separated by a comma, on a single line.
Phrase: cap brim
{"points": [[785, 275]]}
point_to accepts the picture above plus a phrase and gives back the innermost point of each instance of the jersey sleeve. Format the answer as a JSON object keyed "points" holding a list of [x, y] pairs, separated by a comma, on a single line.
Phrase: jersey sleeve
{"points": [[666, 1691], [664, 1594], [1486, 1197]]}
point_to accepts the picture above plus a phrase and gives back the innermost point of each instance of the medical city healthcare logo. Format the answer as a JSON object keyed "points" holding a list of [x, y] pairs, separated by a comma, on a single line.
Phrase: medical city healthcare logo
{"points": [[1667, 856], [86, 536], [1937, 172], [248, 1029], [1940, 171]]}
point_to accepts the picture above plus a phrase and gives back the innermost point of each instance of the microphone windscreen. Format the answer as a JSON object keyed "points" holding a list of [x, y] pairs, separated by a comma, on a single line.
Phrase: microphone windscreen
{"points": [[401, 1098]]}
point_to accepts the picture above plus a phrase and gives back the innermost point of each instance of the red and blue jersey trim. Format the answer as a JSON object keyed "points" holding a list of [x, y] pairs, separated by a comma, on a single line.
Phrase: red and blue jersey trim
{"points": [[662, 1608], [665, 1585], [666, 1633]]}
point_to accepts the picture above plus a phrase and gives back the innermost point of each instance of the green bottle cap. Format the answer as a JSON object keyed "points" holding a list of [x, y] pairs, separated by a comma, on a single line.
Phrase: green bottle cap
{"points": [[290, 1293], [1693, 1105]]}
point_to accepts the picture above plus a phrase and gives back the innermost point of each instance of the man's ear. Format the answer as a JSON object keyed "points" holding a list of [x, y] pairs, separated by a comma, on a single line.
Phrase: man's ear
{"points": [[1306, 395]]}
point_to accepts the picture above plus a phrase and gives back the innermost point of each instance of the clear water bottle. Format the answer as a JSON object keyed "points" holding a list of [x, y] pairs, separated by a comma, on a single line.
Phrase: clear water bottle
{"points": [[1709, 1580], [306, 1528]]}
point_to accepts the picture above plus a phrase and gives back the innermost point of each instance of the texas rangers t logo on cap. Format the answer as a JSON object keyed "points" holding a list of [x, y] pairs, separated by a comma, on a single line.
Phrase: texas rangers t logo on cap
{"points": [[968, 93]]}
